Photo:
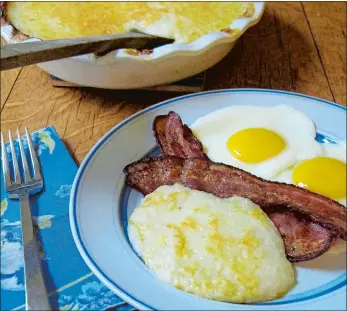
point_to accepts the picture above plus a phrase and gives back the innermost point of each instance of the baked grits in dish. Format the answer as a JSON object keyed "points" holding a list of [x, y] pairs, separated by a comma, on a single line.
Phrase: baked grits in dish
{"points": [[182, 21], [221, 249], [130, 68]]}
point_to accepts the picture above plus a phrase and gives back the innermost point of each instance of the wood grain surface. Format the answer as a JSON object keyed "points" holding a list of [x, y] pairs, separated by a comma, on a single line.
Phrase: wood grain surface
{"points": [[296, 46]]}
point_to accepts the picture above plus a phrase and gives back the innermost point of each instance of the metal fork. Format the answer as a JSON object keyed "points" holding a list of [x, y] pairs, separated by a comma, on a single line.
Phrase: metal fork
{"points": [[20, 189]]}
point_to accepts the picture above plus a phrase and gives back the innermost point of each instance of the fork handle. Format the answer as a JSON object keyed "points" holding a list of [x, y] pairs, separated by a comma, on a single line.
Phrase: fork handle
{"points": [[36, 297]]}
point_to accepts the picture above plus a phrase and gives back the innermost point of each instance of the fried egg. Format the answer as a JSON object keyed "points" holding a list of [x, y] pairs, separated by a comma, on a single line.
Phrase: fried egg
{"points": [[183, 21], [221, 249], [259, 140], [325, 175]]}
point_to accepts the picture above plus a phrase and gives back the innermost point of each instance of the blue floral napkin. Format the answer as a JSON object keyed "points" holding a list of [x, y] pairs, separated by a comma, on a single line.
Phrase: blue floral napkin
{"points": [[70, 284]]}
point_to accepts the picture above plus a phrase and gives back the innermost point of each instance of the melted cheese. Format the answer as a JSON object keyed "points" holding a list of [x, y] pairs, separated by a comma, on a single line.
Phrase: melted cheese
{"points": [[183, 21]]}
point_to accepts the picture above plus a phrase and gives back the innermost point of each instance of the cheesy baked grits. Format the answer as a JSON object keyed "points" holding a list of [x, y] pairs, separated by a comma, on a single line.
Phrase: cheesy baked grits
{"points": [[182, 21], [222, 249]]}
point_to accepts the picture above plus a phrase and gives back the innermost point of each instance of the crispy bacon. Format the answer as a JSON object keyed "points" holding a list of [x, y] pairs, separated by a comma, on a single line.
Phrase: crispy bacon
{"points": [[303, 239], [226, 181], [175, 138]]}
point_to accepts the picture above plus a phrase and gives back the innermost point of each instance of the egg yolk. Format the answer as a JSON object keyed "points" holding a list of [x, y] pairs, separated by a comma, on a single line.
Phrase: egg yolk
{"points": [[254, 145], [323, 175]]}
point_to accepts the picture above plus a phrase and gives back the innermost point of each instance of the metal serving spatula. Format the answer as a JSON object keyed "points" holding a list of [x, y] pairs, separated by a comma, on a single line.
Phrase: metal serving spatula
{"points": [[28, 53]]}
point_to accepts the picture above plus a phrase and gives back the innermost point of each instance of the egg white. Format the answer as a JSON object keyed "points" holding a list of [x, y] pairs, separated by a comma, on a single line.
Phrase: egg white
{"points": [[294, 127]]}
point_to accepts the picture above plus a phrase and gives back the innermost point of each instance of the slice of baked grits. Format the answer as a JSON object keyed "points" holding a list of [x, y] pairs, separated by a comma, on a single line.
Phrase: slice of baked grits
{"points": [[221, 249]]}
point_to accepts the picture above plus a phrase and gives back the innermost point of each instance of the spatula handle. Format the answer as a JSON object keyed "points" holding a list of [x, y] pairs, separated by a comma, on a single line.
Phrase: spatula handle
{"points": [[28, 53]]}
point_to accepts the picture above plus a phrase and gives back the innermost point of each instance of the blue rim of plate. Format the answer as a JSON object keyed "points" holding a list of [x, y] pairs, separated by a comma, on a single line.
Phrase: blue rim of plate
{"points": [[323, 290]]}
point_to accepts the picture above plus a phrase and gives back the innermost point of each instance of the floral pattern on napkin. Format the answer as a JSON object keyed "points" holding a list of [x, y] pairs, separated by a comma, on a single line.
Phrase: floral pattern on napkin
{"points": [[70, 284]]}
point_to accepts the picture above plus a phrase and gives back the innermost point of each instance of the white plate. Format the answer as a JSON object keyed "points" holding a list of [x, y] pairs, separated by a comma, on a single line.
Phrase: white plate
{"points": [[101, 203]]}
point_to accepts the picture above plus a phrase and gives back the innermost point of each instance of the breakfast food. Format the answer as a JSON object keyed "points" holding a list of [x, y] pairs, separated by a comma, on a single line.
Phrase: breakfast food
{"points": [[276, 143], [226, 181], [305, 204], [222, 249], [303, 240], [260, 140], [184, 22], [324, 174], [175, 138]]}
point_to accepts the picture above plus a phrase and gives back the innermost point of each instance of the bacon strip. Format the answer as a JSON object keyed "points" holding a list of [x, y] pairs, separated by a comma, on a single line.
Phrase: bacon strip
{"points": [[226, 181], [175, 138], [303, 239]]}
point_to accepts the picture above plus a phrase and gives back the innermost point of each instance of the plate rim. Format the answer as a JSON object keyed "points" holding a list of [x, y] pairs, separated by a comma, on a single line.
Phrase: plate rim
{"points": [[75, 187]]}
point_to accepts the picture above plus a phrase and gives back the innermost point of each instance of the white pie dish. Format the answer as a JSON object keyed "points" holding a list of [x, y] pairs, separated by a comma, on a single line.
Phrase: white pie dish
{"points": [[122, 70]]}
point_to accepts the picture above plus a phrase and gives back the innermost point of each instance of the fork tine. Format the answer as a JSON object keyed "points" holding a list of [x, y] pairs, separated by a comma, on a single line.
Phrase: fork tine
{"points": [[26, 171], [5, 163], [17, 177], [34, 160]]}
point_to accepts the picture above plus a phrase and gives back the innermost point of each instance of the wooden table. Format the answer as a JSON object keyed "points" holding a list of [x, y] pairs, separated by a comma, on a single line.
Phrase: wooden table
{"points": [[296, 46]]}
